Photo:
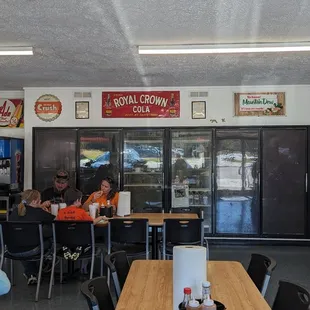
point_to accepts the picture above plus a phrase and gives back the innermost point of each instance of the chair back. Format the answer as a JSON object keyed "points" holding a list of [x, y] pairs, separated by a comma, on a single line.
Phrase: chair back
{"points": [[97, 294], [183, 231], [129, 230], [260, 270], [195, 210], [119, 266], [21, 235], [73, 234], [291, 296]]}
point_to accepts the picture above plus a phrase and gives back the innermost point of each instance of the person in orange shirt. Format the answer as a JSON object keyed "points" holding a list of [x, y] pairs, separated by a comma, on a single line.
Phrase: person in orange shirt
{"points": [[74, 212], [108, 192]]}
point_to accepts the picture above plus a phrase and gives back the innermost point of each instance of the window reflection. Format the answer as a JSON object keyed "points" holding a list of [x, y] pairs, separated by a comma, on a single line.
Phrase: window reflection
{"points": [[99, 158], [236, 182]]}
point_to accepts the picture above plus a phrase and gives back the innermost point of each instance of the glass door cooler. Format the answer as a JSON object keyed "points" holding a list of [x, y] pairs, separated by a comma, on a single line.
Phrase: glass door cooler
{"points": [[143, 168], [191, 167]]}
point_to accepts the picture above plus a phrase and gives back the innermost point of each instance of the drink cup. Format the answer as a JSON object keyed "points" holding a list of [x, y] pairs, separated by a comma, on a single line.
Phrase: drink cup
{"points": [[62, 205], [93, 210], [96, 204], [54, 209]]}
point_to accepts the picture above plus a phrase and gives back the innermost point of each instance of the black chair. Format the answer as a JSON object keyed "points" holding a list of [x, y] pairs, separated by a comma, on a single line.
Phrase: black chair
{"points": [[260, 270], [181, 232], [129, 235], [22, 235], [73, 234], [119, 267], [195, 210], [291, 296], [97, 294]]}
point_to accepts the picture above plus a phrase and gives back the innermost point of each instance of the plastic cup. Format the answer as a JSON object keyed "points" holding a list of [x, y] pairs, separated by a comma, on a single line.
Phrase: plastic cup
{"points": [[62, 205], [54, 209], [93, 210]]}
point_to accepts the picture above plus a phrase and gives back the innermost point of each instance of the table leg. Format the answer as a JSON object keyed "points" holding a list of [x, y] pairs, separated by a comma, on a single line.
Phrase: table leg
{"points": [[154, 242]]}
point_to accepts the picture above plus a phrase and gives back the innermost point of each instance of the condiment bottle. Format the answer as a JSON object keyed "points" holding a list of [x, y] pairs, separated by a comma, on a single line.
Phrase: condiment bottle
{"points": [[186, 299], [193, 304], [206, 290], [208, 304]]}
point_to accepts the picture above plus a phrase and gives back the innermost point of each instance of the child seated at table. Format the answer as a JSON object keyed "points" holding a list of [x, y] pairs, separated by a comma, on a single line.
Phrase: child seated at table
{"points": [[74, 212]]}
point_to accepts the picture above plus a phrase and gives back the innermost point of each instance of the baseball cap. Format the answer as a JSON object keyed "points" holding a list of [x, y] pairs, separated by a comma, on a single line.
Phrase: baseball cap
{"points": [[62, 176]]}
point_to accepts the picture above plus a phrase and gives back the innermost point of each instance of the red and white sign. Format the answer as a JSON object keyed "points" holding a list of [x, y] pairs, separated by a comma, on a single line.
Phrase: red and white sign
{"points": [[12, 113], [141, 104], [48, 108]]}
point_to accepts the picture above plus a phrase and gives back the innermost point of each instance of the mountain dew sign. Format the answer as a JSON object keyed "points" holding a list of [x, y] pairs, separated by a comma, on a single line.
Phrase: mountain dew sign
{"points": [[259, 104]]}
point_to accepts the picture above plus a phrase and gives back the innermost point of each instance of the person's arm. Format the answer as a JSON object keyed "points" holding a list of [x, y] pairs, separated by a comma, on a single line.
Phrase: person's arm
{"points": [[87, 217], [114, 202], [98, 219], [88, 202], [46, 204], [45, 198], [5, 284]]}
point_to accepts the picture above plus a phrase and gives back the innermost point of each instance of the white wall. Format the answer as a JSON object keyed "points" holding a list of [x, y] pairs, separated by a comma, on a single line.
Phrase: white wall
{"points": [[12, 132], [220, 104]]}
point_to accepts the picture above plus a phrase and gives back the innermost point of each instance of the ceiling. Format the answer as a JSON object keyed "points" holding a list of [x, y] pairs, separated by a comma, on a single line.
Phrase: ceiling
{"points": [[94, 43]]}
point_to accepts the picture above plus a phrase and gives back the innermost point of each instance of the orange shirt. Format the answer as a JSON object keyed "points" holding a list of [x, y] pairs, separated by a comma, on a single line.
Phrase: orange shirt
{"points": [[73, 213], [103, 200]]}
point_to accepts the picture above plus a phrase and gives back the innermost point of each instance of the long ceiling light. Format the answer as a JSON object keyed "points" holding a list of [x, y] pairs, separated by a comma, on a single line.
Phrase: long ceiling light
{"points": [[15, 51], [225, 48]]}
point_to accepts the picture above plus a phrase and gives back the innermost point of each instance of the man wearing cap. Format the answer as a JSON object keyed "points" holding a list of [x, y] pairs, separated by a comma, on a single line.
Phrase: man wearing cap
{"points": [[56, 192]]}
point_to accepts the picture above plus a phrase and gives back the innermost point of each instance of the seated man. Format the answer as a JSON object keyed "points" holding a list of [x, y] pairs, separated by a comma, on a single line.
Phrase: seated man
{"points": [[55, 193]]}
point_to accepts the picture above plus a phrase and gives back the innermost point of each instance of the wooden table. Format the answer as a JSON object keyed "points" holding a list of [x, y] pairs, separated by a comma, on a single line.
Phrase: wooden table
{"points": [[149, 286], [155, 220]]}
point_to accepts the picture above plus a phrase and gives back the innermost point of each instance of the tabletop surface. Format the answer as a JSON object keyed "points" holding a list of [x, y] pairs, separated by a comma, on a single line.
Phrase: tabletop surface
{"points": [[156, 219], [149, 286]]}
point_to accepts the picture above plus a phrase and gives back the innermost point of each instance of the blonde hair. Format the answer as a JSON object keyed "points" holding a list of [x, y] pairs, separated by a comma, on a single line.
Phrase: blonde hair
{"points": [[28, 196]]}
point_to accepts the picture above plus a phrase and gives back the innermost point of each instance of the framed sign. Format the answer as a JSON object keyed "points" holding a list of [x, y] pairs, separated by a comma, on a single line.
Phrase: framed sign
{"points": [[81, 109], [259, 104], [198, 109], [11, 113], [141, 104]]}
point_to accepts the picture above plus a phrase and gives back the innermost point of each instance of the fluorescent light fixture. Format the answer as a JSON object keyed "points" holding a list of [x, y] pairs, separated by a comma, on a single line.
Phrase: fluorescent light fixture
{"points": [[15, 51], [225, 48]]}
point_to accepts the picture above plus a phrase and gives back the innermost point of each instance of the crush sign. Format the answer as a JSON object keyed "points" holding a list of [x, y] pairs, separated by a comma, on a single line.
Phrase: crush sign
{"points": [[145, 104]]}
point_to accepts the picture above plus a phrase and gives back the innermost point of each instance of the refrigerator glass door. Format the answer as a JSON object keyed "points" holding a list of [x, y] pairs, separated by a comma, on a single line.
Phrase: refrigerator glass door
{"points": [[191, 165], [143, 168], [54, 149], [99, 158], [236, 174]]}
